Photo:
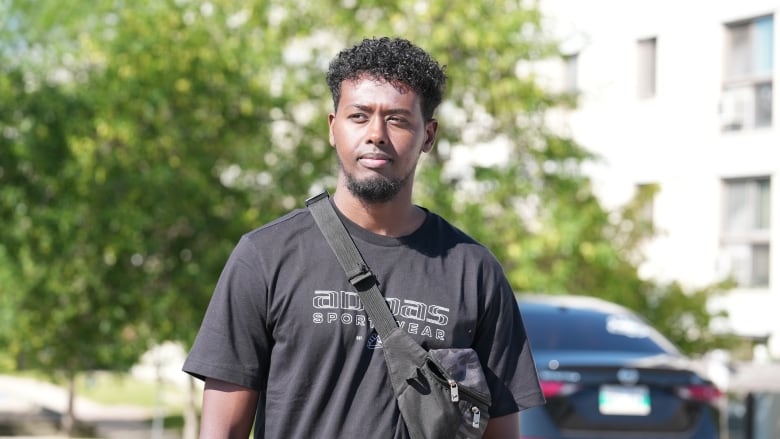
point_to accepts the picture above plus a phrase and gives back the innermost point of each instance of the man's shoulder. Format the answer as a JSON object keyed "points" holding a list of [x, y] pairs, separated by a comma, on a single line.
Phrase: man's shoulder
{"points": [[450, 231], [456, 239], [289, 225]]}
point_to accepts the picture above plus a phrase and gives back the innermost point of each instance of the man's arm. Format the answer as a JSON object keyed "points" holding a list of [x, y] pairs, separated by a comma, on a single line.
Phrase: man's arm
{"points": [[228, 410], [503, 427]]}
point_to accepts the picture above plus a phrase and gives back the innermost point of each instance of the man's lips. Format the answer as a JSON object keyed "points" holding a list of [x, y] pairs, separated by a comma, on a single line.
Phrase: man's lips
{"points": [[374, 160]]}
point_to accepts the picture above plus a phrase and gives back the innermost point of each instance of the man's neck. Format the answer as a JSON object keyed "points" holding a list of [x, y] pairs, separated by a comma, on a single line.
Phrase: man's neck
{"points": [[397, 217]]}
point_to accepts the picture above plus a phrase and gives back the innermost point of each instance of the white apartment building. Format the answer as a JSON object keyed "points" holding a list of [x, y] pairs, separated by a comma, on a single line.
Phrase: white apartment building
{"points": [[683, 94]]}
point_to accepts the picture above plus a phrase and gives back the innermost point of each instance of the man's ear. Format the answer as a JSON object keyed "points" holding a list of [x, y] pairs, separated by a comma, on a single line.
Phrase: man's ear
{"points": [[431, 128], [331, 137]]}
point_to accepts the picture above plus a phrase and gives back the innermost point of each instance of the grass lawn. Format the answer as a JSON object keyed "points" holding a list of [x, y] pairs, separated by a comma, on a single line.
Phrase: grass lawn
{"points": [[123, 389], [116, 388]]}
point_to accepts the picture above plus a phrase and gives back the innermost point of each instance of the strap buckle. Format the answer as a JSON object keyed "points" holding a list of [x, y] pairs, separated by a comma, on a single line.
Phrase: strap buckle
{"points": [[362, 274], [318, 197]]}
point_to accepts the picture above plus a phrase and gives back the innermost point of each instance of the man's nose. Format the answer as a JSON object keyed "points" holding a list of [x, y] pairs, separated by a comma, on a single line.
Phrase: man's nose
{"points": [[377, 131]]}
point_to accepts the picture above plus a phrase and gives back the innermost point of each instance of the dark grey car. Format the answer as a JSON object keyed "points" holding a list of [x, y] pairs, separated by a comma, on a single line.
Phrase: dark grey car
{"points": [[606, 373]]}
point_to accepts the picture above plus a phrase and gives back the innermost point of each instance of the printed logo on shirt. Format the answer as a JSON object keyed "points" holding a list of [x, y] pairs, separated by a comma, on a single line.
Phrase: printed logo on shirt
{"points": [[374, 341], [346, 308]]}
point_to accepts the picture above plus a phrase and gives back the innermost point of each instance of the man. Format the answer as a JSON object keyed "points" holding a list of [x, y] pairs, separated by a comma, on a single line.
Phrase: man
{"points": [[286, 328]]}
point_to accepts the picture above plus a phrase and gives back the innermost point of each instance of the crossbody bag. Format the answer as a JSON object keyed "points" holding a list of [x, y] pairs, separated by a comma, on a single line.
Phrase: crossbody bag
{"points": [[441, 393]]}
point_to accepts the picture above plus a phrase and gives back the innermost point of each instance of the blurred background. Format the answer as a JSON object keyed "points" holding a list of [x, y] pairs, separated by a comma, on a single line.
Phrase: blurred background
{"points": [[624, 150]]}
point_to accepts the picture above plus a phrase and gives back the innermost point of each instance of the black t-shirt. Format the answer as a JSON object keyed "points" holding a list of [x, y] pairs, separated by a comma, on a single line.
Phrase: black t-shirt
{"points": [[284, 320]]}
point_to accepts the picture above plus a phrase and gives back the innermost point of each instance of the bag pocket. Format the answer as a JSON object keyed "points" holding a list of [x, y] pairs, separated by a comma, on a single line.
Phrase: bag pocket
{"points": [[460, 371], [438, 404], [442, 393]]}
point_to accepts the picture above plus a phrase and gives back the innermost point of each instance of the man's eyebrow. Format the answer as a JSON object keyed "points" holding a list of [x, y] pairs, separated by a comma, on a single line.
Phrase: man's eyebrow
{"points": [[369, 108]]}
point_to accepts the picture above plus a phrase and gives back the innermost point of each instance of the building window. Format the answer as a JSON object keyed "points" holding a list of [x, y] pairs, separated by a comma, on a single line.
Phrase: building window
{"points": [[745, 230], [747, 86], [646, 55], [571, 72]]}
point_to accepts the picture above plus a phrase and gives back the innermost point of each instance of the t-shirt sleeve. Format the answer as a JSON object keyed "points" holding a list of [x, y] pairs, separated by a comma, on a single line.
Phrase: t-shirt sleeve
{"points": [[504, 350], [233, 342]]}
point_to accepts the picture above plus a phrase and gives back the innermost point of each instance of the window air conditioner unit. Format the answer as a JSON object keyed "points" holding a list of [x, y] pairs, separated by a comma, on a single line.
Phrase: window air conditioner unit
{"points": [[736, 108]]}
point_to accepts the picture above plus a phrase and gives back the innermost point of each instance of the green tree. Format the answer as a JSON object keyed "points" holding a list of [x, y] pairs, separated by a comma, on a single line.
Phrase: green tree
{"points": [[139, 140], [118, 134]]}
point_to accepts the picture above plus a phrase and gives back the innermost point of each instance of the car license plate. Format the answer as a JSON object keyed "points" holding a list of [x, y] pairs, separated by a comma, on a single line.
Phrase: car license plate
{"points": [[624, 400]]}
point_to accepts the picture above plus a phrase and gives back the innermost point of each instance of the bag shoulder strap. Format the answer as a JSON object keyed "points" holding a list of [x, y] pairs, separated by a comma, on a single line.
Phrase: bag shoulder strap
{"points": [[358, 273]]}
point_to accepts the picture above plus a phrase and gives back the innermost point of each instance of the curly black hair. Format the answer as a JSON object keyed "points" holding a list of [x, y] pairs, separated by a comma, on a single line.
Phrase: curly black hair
{"points": [[393, 60]]}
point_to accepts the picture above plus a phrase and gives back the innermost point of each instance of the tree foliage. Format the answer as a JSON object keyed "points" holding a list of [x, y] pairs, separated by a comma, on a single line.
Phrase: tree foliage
{"points": [[138, 140]]}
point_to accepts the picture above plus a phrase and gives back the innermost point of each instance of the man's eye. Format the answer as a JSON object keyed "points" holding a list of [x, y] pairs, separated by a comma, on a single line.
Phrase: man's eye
{"points": [[357, 116]]}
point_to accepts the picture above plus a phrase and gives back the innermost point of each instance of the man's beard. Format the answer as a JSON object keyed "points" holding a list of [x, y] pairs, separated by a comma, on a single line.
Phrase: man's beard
{"points": [[378, 189]]}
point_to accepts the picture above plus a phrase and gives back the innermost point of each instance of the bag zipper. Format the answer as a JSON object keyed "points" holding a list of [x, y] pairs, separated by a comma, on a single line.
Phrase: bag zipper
{"points": [[455, 397], [456, 389]]}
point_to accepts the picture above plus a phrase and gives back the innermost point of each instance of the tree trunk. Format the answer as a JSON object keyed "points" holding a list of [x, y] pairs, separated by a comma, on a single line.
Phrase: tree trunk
{"points": [[158, 423], [191, 412], [69, 417]]}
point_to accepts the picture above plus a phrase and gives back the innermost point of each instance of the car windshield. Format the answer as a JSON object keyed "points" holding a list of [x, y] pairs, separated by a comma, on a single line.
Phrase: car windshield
{"points": [[566, 329]]}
